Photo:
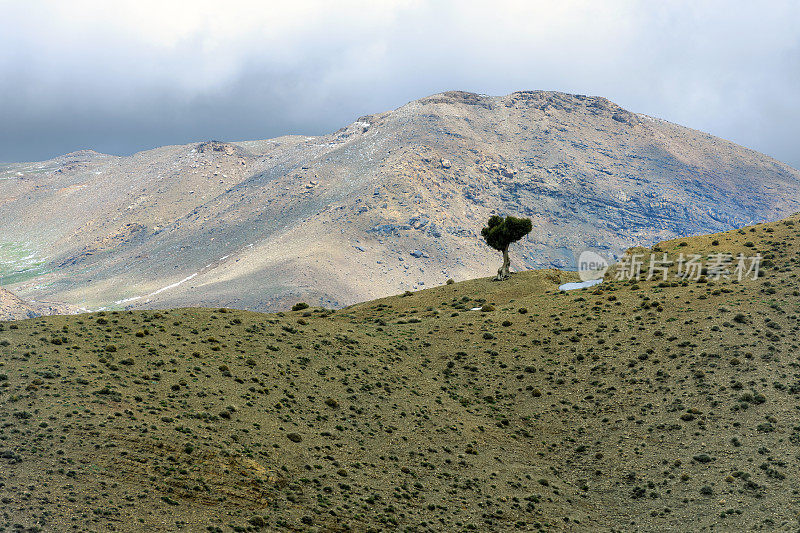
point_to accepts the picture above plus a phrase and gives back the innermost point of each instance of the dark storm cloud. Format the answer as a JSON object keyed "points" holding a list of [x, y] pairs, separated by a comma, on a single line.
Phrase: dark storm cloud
{"points": [[143, 74]]}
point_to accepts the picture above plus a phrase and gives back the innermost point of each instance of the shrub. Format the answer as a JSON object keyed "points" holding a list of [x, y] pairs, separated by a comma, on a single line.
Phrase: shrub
{"points": [[330, 402], [257, 522], [299, 306]]}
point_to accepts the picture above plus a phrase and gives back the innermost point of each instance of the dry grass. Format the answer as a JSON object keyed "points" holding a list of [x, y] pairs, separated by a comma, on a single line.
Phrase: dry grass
{"points": [[654, 406]]}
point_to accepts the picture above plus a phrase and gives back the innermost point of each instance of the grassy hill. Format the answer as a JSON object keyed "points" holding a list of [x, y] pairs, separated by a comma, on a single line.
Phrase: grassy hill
{"points": [[654, 406]]}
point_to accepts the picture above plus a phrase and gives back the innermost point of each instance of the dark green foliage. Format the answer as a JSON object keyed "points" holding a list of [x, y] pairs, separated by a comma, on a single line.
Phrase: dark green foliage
{"points": [[500, 232]]}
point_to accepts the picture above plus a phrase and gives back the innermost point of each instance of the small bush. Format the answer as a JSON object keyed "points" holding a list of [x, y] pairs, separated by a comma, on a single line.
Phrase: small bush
{"points": [[257, 522], [299, 306]]}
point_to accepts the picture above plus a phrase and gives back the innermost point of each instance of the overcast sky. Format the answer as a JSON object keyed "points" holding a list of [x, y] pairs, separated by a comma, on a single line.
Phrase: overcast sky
{"points": [[121, 76]]}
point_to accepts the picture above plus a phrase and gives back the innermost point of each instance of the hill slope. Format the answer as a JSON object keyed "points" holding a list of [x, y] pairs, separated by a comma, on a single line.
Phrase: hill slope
{"points": [[394, 201], [15, 308], [636, 406]]}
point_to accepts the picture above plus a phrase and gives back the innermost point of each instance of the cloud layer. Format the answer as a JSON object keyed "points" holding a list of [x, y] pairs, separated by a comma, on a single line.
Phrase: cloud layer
{"points": [[125, 76]]}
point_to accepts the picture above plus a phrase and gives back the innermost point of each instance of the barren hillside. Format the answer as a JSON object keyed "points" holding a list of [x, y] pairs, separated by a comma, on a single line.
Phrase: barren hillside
{"points": [[394, 201], [15, 308]]}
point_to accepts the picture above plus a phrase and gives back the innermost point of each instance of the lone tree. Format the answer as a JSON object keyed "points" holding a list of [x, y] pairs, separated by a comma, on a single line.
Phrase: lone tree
{"points": [[500, 233]]}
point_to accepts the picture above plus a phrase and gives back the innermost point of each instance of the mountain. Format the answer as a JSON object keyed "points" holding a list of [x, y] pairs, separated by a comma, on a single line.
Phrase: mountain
{"points": [[473, 406], [394, 201], [15, 308]]}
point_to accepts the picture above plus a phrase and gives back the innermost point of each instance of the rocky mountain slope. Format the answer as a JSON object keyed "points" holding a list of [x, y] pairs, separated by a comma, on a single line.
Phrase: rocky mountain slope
{"points": [[394, 201], [15, 308], [633, 406]]}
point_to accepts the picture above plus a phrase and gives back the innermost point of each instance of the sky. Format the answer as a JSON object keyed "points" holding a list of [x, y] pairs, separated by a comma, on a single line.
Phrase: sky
{"points": [[124, 76]]}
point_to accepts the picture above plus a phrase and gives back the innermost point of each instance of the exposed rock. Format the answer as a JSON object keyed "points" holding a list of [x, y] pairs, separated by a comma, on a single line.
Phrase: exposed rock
{"points": [[418, 222], [216, 146], [389, 229], [15, 308]]}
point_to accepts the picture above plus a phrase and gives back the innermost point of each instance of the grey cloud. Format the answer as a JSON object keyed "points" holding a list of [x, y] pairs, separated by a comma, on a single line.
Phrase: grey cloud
{"points": [[113, 83]]}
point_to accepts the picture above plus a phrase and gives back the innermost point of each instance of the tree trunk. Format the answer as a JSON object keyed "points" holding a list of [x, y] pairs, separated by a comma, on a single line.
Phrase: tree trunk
{"points": [[504, 272]]}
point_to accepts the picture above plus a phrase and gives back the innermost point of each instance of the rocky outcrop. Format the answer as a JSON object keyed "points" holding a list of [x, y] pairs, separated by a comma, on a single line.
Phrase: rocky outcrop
{"points": [[216, 146], [14, 308]]}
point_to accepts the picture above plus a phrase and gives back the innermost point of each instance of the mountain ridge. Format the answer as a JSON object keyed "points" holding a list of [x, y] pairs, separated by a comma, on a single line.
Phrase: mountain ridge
{"points": [[392, 202]]}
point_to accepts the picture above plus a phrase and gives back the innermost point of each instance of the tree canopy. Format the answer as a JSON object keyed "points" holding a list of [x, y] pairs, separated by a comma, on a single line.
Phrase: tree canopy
{"points": [[500, 232]]}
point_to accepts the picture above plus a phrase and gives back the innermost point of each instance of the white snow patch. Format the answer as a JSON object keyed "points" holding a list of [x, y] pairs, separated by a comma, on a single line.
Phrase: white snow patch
{"points": [[159, 291], [579, 285], [126, 300], [168, 287]]}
